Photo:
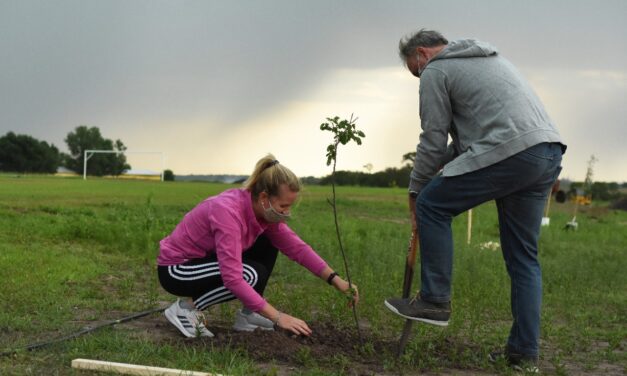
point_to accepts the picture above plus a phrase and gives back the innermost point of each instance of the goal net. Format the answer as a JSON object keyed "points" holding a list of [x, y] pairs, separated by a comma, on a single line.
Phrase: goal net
{"points": [[151, 162]]}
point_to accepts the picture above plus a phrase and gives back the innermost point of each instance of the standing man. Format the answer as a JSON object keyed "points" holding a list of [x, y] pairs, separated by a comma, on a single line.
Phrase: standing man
{"points": [[505, 148]]}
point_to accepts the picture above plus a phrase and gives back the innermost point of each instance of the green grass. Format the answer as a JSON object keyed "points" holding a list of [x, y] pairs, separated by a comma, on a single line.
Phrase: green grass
{"points": [[74, 252]]}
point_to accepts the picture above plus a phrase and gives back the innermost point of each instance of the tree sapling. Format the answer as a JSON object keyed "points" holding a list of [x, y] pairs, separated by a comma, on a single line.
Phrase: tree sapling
{"points": [[343, 131]]}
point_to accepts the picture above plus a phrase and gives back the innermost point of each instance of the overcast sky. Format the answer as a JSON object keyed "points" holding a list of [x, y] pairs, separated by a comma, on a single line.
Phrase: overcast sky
{"points": [[217, 84]]}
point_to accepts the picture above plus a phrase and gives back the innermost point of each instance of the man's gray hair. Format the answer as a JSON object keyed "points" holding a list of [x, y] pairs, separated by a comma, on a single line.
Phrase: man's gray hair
{"points": [[422, 38]]}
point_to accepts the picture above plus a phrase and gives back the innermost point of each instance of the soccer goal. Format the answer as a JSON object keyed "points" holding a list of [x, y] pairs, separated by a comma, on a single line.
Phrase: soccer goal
{"points": [[90, 153]]}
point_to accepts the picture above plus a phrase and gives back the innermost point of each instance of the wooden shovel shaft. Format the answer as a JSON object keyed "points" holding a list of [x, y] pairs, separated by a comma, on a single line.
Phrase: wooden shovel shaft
{"points": [[407, 281], [409, 264]]}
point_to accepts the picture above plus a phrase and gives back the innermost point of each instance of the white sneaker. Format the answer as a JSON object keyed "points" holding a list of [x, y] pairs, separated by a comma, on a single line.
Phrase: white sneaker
{"points": [[188, 321], [249, 322]]}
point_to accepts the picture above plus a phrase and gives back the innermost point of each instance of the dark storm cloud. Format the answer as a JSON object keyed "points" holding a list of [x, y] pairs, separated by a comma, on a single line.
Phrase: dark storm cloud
{"points": [[114, 63]]}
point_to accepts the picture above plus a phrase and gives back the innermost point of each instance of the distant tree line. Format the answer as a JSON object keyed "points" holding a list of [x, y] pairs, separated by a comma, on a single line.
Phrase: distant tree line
{"points": [[25, 154], [399, 177], [390, 177], [22, 153], [598, 190]]}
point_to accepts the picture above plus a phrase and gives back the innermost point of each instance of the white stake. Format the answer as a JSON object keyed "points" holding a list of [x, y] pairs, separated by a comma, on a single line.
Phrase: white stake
{"points": [[133, 369], [546, 220]]}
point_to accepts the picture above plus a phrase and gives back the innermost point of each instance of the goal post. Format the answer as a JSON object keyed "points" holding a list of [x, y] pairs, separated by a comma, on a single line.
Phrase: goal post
{"points": [[90, 153]]}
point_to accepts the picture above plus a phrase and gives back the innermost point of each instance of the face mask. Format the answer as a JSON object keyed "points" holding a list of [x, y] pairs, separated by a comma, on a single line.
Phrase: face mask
{"points": [[415, 69], [273, 216], [420, 70]]}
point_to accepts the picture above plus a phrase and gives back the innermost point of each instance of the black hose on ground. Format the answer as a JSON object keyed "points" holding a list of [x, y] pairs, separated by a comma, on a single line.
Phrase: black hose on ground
{"points": [[39, 345]]}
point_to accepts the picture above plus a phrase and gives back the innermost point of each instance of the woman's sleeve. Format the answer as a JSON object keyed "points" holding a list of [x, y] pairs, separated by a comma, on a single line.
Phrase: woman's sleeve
{"points": [[286, 240], [227, 236]]}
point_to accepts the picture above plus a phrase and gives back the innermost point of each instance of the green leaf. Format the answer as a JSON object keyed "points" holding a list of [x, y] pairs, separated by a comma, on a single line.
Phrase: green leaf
{"points": [[344, 131]]}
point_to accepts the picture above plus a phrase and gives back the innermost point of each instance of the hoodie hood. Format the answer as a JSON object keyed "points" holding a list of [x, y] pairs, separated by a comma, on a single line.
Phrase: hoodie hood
{"points": [[464, 48]]}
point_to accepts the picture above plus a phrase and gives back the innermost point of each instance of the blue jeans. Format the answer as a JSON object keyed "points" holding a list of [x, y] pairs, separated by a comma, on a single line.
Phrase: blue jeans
{"points": [[520, 185]]}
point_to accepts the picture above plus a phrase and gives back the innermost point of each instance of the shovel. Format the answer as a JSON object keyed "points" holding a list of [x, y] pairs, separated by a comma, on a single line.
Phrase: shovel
{"points": [[407, 280]]}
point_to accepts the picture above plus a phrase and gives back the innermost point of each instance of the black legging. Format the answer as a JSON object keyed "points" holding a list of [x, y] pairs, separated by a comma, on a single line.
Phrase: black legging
{"points": [[201, 279]]}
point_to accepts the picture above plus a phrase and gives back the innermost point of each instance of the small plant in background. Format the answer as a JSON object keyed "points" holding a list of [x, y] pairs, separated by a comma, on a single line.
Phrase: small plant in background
{"points": [[168, 175], [587, 184], [344, 131]]}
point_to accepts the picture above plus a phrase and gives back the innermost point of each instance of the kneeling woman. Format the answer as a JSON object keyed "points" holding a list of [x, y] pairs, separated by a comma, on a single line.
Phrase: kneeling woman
{"points": [[226, 247]]}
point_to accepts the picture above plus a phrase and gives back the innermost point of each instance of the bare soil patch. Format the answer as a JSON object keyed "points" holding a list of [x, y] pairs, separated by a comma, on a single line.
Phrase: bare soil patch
{"points": [[329, 347]]}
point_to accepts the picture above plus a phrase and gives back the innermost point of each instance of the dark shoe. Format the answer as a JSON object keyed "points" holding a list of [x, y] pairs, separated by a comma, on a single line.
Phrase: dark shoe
{"points": [[419, 310], [519, 362]]}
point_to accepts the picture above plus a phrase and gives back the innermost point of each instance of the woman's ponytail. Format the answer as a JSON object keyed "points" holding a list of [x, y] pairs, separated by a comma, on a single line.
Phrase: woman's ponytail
{"points": [[269, 175]]}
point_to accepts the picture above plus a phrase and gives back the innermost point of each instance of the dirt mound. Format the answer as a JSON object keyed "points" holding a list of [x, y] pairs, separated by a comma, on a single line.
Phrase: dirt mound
{"points": [[328, 346], [326, 342]]}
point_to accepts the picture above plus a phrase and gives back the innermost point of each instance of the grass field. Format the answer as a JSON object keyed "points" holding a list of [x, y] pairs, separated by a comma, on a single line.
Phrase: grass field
{"points": [[76, 253]]}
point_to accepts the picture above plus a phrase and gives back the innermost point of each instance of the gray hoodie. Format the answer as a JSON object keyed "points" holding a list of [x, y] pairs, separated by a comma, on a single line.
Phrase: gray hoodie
{"points": [[470, 92]]}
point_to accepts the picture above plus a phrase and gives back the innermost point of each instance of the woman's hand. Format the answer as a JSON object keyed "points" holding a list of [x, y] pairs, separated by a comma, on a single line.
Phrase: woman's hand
{"points": [[293, 324], [349, 289]]}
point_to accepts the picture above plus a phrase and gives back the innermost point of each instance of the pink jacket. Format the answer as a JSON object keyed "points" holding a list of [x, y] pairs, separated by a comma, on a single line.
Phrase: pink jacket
{"points": [[226, 224]]}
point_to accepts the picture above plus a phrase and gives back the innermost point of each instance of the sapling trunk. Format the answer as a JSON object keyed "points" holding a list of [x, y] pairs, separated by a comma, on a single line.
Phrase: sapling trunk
{"points": [[339, 240], [344, 131]]}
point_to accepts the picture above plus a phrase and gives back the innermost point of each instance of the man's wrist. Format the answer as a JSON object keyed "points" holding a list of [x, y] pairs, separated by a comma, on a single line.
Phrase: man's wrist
{"points": [[413, 194]]}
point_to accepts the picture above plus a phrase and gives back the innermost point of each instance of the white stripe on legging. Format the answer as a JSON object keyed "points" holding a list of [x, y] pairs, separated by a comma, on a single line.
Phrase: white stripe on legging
{"points": [[210, 298], [216, 301], [198, 266], [191, 269], [176, 273], [221, 294]]}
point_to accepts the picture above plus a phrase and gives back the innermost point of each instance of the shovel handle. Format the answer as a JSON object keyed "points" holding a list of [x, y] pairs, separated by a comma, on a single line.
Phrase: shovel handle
{"points": [[410, 263], [412, 250]]}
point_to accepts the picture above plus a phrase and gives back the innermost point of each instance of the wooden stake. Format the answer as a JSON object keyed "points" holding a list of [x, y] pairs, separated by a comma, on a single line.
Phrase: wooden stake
{"points": [[469, 226], [548, 205], [133, 369], [410, 262]]}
